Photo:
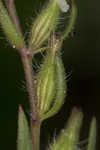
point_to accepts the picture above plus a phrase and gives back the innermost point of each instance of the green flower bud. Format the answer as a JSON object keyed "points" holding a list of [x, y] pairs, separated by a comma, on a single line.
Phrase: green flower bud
{"points": [[46, 82], [60, 89], [68, 138], [44, 24]]}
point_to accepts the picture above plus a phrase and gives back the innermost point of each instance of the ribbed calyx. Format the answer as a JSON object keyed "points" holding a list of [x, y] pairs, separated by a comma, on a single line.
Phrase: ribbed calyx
{"points": [[46, 82], [69, 136], [45, 23], [51, 84], [68, 139]]}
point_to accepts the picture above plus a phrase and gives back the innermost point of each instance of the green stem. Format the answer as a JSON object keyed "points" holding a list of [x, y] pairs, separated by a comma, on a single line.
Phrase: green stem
{"points": [[39, 50]]}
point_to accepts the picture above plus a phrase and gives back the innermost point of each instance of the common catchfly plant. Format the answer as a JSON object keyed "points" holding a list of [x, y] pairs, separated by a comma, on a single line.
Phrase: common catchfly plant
{"points": [[47, 88]]}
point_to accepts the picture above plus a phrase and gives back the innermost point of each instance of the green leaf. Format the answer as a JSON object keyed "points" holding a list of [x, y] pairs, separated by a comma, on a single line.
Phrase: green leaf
{"points": [[71, 21], [9, 28], [92, 136], [69, 136], [24, 139]]}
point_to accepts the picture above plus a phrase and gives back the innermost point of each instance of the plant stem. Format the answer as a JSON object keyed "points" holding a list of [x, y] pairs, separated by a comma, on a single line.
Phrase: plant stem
{"points": [[34, 119], [36, 135], [27, 63]]}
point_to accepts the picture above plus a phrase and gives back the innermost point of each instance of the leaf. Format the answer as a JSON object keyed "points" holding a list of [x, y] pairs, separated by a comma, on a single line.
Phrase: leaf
{"points": [[24, 139], [68, 138], [92, 136], [72, 20], [9, 28]]}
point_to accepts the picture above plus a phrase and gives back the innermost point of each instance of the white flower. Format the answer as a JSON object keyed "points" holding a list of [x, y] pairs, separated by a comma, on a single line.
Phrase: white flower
{"points": [[63, 5]]}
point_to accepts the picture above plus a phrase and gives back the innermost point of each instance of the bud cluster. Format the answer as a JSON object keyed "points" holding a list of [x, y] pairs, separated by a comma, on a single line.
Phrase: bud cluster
{"points": [[47, 92], [51, 84], [41, 28]]}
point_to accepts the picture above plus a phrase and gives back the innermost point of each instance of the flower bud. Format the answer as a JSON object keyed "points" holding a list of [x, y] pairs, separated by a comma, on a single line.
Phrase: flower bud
{"points": [[60, 89], [68, 138], [44, 24], [46, 82]]}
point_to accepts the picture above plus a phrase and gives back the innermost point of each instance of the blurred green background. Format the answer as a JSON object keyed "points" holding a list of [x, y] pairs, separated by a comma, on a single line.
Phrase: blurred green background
{"points": [[81, 56]]}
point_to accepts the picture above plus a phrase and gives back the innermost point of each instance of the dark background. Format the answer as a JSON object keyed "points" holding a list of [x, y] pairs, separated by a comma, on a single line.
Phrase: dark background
{"points": [[81, 55]]}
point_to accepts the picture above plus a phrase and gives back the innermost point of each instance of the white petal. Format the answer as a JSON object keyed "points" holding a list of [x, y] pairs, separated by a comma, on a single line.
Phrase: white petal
{"points": [[63, 5]]}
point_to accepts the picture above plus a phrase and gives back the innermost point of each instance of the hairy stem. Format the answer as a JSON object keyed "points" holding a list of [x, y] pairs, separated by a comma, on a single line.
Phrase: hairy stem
{"points": [[34, 119]]}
